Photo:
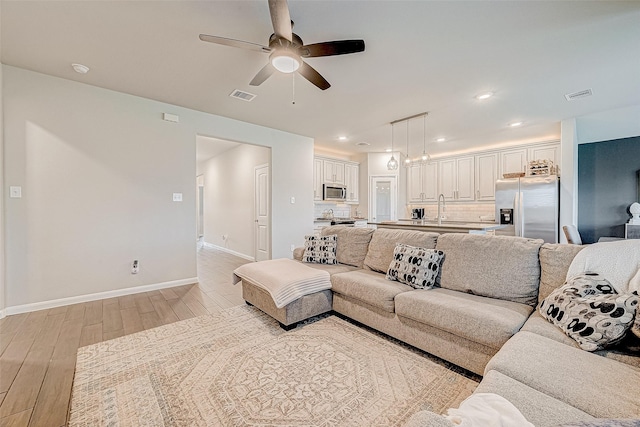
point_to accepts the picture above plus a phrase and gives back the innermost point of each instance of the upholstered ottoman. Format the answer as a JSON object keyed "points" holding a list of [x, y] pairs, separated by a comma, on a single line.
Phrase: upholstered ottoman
{"points": [[292, 313], [285, 289]]}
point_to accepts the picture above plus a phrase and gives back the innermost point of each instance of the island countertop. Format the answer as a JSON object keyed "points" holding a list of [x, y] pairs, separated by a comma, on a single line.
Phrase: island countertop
{"points": [[445, 227]]}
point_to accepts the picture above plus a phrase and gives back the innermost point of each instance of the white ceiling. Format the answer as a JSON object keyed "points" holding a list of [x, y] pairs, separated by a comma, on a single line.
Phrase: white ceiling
{"points": [[420, 56], [207, 147]]}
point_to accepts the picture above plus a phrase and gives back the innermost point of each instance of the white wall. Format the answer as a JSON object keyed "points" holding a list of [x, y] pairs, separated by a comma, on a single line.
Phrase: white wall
{"points": [[98, 169], [229, 198], [608, 125]]}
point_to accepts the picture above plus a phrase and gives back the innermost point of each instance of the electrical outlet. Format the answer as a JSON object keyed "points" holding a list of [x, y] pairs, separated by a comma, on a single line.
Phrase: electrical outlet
{"points": [[135, 267], [293, 247]]}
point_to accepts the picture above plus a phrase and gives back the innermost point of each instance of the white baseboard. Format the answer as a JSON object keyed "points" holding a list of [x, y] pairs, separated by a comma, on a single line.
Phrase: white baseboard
{"points": [[229, 251], [25, 308], [3, 313]]}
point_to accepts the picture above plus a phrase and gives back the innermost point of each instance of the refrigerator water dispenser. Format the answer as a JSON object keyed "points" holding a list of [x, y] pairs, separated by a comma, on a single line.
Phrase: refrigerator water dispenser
{"points": [[506, 216]]}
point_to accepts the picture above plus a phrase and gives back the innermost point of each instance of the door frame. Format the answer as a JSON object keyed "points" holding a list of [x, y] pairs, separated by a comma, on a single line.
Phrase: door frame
{"points": [[394, 195]]}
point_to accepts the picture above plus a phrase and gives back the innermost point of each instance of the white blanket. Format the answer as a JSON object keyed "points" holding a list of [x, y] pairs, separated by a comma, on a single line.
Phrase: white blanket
{"points": [[286, 280], [487, 410], [618, 262]]}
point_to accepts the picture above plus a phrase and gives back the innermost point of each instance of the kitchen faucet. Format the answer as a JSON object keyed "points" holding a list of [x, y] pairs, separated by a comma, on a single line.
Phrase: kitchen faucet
{"points": [[444, 205]]}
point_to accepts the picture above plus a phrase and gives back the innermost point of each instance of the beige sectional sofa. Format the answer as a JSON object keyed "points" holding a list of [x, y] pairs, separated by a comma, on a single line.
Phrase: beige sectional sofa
{"points": [[482, 317]]}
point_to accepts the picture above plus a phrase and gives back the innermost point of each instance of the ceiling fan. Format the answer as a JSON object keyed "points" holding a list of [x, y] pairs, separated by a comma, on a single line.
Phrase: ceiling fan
{"points": [[287, 50]]}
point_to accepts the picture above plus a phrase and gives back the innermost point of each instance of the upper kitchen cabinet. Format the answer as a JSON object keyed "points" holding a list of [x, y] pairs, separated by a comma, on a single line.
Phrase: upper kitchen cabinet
{"points": [[352, 179], [334, 172], [317, 179], [457, 179], [422, 182], [486, 176], [546, 152], [512, 161]]}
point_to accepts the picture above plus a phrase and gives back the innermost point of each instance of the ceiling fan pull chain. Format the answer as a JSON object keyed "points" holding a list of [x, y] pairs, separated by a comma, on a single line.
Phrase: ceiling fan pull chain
{"points": [[293, 88]]}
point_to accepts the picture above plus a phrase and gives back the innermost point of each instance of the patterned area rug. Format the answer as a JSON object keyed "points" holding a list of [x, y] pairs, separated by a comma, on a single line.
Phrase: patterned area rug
{"points": [[239, 368]]}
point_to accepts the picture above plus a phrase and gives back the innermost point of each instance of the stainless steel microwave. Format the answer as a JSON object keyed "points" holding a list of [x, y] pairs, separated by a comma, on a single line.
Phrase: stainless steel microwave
{"points": [[334, 192]]}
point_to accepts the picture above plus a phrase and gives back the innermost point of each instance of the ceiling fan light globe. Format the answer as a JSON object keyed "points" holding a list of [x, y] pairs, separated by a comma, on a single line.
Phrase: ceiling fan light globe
{"points": [[285, 62]]}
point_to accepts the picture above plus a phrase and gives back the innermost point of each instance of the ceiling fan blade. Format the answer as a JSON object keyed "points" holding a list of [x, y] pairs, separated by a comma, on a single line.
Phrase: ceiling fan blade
{"points": [[263, 75], [309, 73], [234, 43], [280, 18], [340, 47]]}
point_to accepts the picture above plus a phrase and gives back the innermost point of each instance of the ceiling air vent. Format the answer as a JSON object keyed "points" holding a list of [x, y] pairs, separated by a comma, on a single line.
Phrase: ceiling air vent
{"points": [[579, 94], [245, 96]]}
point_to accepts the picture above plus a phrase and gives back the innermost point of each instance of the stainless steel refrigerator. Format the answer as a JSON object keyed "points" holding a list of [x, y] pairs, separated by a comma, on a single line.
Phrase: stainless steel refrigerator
{"points": [[529, 207]]}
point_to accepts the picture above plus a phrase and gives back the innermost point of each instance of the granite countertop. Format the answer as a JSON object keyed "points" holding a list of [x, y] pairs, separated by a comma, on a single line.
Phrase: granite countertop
{"points": [[338, 218], [432, 225]]}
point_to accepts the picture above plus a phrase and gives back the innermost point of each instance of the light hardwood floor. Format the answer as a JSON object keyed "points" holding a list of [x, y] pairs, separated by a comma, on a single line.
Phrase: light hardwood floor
{"points": [[38, 349]]}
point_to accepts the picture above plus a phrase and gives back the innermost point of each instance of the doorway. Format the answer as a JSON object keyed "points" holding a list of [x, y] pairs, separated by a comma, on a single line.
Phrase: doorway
{"points": [[383, 199], [227, 213]]}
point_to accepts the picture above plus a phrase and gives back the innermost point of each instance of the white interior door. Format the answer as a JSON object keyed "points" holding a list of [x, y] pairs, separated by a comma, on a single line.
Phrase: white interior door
{"points": [[383, 198], [262, 214]]}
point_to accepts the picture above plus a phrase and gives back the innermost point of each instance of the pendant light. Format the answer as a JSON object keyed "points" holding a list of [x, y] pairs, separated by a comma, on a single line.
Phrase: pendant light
{"points": [[425, 156], [392, 164], [407, 161]]}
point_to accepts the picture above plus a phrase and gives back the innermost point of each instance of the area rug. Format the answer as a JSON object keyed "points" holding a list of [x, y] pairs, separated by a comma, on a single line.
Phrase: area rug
{"points": [[239, 368]]}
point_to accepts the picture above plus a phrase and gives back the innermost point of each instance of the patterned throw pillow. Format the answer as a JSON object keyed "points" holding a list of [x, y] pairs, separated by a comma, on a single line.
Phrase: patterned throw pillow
{"points": [[588, 309], [416, 267], [320, 249]]}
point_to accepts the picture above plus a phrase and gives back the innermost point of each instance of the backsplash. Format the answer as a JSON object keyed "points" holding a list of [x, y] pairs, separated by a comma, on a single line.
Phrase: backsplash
{"points": [[339, 211], [457, 212]]}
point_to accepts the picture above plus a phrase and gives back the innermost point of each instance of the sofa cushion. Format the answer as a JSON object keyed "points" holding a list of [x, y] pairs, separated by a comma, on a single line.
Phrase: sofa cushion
{"points": [[353, 243], [555, 259], [416, 267], [596, 385], [369, 287], [537, 407], [333, 269], [320, 249], [487, 321], [383, 243], [628, 351], [502, 267], [589, 310]]}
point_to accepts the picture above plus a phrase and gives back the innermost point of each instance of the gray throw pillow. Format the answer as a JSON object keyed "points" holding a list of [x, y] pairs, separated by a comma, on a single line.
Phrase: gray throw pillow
{"points": [[416, 267], [320, 249], [589, 310]]}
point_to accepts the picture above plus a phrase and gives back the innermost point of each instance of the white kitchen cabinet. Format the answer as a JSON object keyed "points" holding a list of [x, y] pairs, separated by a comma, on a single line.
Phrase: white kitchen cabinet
{"points": [[546, 152], [486, 176], [414, 184], [317, 179], [361, 223], [334, 171], [352, 180], [456, 180], [512, 161], [422, 183]]}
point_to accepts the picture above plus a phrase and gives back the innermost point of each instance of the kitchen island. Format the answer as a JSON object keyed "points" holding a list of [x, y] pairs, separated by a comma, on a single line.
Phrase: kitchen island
{"points": [[444, 227]]}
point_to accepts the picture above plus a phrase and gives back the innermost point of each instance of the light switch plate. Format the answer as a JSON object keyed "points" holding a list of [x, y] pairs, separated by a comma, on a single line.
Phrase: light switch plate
{"points": [[177, 197], [15, 192]]}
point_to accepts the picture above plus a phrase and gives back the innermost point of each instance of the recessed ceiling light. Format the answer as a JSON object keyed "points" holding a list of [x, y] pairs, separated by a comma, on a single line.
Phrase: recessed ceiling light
{"points": [[515, 124], [440, 140], [388, 150], [362, 143], [342, 138], [79, 68], [484, 96]]}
